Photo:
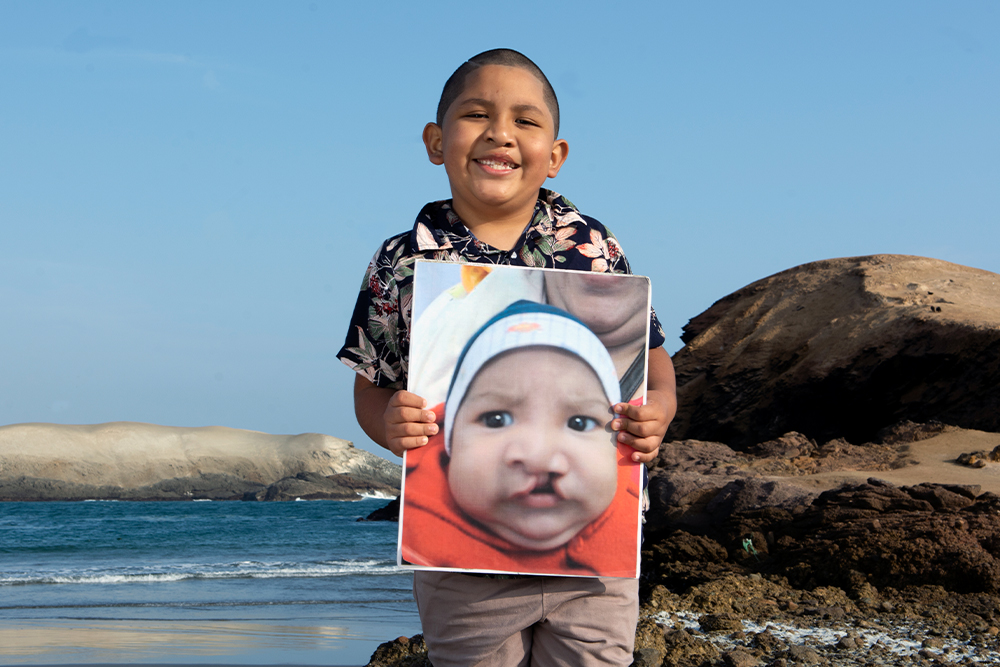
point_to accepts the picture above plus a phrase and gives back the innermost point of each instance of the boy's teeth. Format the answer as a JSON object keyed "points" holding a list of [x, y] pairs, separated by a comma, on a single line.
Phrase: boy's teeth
{"points": [[496, 165]]}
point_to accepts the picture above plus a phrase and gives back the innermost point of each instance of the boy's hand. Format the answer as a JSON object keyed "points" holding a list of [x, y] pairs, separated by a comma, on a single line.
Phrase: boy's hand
{"points": [[397, 420], [408, 424], [642, 427]]}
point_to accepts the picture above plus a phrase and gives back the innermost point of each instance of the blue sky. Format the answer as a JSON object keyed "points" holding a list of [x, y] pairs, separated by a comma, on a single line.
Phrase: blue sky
{"points": [[190, 191]]}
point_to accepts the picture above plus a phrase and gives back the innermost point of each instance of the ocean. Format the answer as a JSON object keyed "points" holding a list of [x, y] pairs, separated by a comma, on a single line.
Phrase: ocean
{"points": [[292, 583]]}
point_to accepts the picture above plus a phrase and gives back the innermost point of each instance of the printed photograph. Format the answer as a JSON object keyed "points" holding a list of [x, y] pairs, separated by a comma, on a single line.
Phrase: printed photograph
{"points": [[522, 368]]}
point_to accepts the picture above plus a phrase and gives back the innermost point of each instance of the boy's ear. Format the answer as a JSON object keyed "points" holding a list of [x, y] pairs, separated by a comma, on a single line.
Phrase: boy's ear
{"points": [[432, 142], [560, 151]]}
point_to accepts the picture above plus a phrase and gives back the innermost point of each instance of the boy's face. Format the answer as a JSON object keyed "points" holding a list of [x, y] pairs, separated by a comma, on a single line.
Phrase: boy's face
{"points": [[497, 144], [530, 457]]}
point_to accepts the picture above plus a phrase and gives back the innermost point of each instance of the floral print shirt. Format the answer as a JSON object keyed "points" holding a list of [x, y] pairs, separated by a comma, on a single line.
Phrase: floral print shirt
{"points": [[378, 341]]}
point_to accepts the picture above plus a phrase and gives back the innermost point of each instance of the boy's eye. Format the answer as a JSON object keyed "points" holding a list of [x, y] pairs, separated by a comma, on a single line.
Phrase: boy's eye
{"points": [[525, 121], [582, 423], [496, 419]]}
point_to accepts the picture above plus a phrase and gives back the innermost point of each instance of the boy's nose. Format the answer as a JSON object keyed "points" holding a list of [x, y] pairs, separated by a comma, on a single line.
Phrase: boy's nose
{"points": [[499, 132]]}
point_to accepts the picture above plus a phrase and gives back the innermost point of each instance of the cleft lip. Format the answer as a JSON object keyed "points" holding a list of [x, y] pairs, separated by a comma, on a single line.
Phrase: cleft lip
{"points": [[538, 486]]}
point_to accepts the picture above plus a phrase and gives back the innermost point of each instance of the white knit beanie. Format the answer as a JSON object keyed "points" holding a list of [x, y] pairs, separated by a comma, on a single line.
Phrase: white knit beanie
{"points": [[527, 324]]}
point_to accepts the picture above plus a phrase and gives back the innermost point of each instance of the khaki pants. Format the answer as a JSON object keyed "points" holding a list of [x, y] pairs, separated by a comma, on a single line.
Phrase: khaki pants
{"points": [[539, 621]]}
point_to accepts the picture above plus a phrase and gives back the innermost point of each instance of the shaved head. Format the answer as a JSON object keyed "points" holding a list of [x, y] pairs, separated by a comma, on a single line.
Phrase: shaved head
{"points": [[506, 58]]}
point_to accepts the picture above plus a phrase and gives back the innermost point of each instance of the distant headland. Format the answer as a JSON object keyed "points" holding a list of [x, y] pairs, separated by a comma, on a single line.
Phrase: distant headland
{"points": [[136, 461]]}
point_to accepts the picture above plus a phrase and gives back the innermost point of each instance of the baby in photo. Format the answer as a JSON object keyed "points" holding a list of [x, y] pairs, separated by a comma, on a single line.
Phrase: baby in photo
{"points": [[524, 472]]}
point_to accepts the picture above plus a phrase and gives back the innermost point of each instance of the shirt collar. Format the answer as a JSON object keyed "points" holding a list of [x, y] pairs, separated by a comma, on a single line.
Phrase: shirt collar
{"points": [[438, 227]]}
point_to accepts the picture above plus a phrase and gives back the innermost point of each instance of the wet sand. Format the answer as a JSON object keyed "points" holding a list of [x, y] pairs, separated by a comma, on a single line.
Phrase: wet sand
{"points": [[126, 642]]}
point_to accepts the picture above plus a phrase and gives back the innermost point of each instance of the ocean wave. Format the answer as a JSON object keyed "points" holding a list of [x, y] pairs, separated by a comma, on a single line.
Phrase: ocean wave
{"points": [[380, 496], [187, 572]]}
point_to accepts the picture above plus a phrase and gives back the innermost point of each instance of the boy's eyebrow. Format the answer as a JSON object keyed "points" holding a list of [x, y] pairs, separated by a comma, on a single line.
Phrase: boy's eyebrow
{"points": [[520, 108]]}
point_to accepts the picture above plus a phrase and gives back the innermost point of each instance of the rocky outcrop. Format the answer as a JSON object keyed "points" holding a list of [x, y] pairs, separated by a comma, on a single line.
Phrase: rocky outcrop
{"points": [[873, 534], [841, 349], [786, 554], [401, 652], [314, 486], [389, 512], [133, 461]]}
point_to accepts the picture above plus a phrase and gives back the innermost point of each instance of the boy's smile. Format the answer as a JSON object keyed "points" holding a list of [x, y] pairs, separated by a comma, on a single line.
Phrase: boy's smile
{"points": [[498, 147]]}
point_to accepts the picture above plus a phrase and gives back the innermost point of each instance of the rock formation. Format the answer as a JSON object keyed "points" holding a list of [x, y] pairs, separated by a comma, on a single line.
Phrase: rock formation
{"points": [[843, 348], [133, 461]]}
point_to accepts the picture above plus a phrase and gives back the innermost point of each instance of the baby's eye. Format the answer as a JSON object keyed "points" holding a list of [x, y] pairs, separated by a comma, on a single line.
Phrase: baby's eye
{"points": [[582, 423], [495, 419]]}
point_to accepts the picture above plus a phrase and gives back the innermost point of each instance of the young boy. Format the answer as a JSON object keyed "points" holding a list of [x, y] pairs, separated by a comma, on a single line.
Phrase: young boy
{"points": [[496, 135], [523, 477]]}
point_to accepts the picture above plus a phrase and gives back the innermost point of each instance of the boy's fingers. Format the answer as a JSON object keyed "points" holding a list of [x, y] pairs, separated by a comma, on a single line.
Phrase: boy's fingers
{"points": [[409, 436], [403, 398], [411, 429], [646, 449], [410, 415], [637, 428], [638, 413], [639, 444], [399, 445], [644, 457]]}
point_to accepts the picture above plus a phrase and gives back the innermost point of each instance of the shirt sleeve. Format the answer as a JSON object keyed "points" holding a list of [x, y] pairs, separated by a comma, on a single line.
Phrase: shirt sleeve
{"points": [[377, 342]]}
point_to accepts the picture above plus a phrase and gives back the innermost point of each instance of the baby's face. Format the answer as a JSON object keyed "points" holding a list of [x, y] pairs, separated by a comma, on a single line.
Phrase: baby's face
{"points": [[530, 457]]}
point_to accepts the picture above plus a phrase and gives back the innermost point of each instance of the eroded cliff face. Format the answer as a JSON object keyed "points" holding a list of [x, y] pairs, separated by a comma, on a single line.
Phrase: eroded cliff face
{"points": [[128, 460], [843, 348], [852, 394]]}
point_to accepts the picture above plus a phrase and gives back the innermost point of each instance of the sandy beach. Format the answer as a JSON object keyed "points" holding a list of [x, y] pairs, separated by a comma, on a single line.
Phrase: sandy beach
{"points": [[932, 461], [122, 642]]}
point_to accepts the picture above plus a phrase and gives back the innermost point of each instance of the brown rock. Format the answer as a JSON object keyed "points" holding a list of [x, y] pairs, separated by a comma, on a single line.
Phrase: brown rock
{"points": [[684, 650], [720, 623], [740, 658], [805, 655], [647, 657], [649, 641], [833, 543], [767, 642], [683, 547], [856, 337], [401, 652]]}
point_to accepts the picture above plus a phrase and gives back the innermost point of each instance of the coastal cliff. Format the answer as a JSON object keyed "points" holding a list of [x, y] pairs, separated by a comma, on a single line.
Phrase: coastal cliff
{"points": [[136, 461]]}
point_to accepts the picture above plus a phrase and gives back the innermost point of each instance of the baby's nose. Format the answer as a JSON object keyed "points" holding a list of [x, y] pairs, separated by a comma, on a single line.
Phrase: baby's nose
{"points": [[540, 456]]}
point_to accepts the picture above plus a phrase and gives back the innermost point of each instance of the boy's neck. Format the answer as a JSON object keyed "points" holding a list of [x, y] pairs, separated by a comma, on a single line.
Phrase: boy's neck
{"points": [[501, 230]]}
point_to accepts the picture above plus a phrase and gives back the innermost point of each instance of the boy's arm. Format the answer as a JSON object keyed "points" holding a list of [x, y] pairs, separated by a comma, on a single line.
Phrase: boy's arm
{"points": [[642, 427], [395, 419]]}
